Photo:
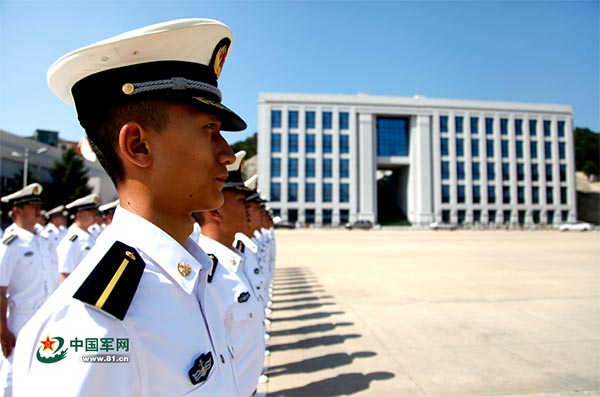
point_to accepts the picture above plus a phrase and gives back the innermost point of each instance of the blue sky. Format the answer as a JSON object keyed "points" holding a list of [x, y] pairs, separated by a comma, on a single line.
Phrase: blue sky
{"points": [[539, 51]]}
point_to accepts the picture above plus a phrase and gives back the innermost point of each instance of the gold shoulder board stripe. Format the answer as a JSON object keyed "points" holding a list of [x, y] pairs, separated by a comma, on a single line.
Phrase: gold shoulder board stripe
{"points": [[9, 239], [112, 284], [73, 237], [215, 262]]}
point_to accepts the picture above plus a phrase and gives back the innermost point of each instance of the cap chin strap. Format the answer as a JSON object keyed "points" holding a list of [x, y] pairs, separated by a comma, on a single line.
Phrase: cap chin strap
{"points": [[175, 83]]}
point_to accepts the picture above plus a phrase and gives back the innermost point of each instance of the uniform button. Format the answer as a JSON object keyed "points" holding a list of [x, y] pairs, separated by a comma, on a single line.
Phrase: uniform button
{"points": [[251, 315], [222, 359]]}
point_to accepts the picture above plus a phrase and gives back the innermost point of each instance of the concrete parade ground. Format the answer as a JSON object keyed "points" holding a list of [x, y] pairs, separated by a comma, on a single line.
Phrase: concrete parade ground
{"points": [[395, 313]]}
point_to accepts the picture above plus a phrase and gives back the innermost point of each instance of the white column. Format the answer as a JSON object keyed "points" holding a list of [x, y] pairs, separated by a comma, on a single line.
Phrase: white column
{"points": [[423, 173], [368, 166]]}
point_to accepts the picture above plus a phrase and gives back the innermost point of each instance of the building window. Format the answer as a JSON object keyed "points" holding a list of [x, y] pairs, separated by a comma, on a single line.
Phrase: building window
{"points": [[520, 195], [275, 143], [491, 194], [533, 148], [344, 168], [561, 150], [445, 193], [327, 168], [491, 171], [344, 216], [446, 216], [504, 126], [547, 130], [504, 148], [310, 119], [310, 168], [344, 121], [548, 172], [309, 216], [293, 215], [489, 126], [443, 124], [549, 195], [550, 217], [344, 143], [564, 215], [309, 192], [292, 167], [292, 192], [460, 194], [392, 136], [518, 127], [275, 191], [520, 171], [563, 195], [535, 216], [561, 129], [534, 172], [505, 171], [327, 143], [475, 170], [275, 118], [535, 195], [310, 143], [458, 124], [460, 216], [293, 143], [344, 193], [293, 119], [506, 194], [327, 118], [489, 147], [506, 215], [275, 167], [460, 147], [474, 125], [476, 194], [519, 149], [445, 170], [491, 216], [444, 146], [521, 217], [460, 170], [477, 216], [563, 172], [475, 147], [327, 217], [533, 127], [548, 150], [327, 192]]}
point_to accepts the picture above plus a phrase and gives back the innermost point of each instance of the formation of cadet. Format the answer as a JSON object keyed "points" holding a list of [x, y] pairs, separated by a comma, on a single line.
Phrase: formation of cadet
{"points": [[172, 297]]}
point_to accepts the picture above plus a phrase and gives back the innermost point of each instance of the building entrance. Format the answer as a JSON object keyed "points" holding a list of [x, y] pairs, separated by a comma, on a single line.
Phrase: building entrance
{"points": [[392, 198]]}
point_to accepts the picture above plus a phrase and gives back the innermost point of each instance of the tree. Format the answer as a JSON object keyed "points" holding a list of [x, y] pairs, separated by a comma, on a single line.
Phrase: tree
{"points": [[249, 145], [69, 181], [587, 151]]}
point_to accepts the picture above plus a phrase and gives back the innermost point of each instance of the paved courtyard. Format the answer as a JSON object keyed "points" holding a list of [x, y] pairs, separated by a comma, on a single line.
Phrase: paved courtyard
{"points": [[394, 313]]}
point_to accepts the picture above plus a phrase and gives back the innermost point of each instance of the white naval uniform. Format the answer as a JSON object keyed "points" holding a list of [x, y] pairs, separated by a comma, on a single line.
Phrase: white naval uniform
{"points": [[73, 248], [54, 234], [252, 267], [165, 324], [241, 311], [28, 268]]}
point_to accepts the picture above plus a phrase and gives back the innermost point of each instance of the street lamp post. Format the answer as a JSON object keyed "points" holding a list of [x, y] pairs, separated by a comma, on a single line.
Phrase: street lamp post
{"points": [[25, 156]]}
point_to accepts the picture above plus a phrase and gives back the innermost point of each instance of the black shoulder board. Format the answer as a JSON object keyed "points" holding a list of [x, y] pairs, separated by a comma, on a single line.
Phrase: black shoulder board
{"points": [[113, 282], [240, 246], [215, 262], [73, 237], [9, 239], [243, 297]]}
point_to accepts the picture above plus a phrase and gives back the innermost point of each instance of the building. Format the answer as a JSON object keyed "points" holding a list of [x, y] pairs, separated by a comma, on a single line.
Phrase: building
{"points": [[329, 159]]}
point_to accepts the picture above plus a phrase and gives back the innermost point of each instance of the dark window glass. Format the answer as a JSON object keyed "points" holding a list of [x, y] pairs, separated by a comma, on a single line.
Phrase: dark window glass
{"points": [[344, 168], [475, 147], [344, 143], [460, 147], [275, 191], [535, 195], [521, 217], [504, 148], [445, 193], [489, 147], [458, 124], [561, 150], [533, 148], [563, 195], [563, 172], [520, 171], [344, 216], [443, 124], [445, 170], [344, 193], [491, 171], [547, 129], [310, 143], [519, 149], [460, 216], [506, 194], [549, 195], [327, 168], [489, 126], [344, 123], [535, 215], [293, 119], [446, 216], [535, 175], [275, 118], [327, 118], [444, 146], [475, 170], [327, 192], [550, 217], [310, 168], [327, 143], [293, 143], [327, 217], [561, 129], [460, 194], [275, 143], [504, 126], [533, 127], [309, 192], [460, 170], [292, 192], [564, 215], [518, 127], [476, 194], [293, 215], [548, 172], [310, 119], [520, 195], [505, 171], [309, 216], [474, 125], [275, 167], [477, 216], [292, 167], [492, 216], [548, 150], [392, 137]]}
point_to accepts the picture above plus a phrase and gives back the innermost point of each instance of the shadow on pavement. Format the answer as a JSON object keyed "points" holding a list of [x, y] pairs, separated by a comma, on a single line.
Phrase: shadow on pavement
{"points": [[314, 364], [340, 385]]}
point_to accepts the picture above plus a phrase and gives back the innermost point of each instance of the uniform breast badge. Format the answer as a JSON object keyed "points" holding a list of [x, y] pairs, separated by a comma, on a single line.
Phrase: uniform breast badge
{"points": [[201, 368]]}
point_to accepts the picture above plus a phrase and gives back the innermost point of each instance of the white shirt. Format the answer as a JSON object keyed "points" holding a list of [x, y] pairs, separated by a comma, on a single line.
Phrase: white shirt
{"points": [[29, 269], [242, 314], [252, 267], [73, 248], [165, 327], [53, 234]]}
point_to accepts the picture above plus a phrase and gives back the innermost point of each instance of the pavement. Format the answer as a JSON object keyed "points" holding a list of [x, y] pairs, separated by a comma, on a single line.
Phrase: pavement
{"points": [[394, 313]]}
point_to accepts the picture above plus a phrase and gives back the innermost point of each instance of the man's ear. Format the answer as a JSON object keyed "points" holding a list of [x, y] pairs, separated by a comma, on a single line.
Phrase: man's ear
{"points": [[133, 145], [214, 214]]}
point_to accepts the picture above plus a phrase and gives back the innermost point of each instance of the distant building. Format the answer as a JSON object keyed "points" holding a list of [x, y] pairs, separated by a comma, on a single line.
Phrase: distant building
{"points": [[329, 159]]}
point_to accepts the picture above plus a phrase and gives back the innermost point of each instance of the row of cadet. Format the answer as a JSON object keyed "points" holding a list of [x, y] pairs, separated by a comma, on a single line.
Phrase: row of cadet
{"points": [[238, 237]]}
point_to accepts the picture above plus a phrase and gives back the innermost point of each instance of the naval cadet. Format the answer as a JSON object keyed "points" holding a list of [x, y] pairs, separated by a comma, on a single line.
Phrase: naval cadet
{"points": [[240, 307], [28, 274], [108, 211], [56, 227], [151, 108], [78, 240]]}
